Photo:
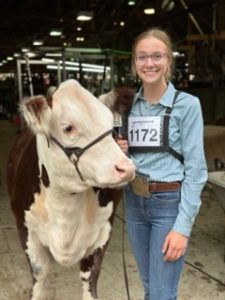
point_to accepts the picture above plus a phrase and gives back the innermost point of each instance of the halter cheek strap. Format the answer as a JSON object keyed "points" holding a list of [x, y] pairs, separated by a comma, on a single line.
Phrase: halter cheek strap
{"points": [[74, 153]]}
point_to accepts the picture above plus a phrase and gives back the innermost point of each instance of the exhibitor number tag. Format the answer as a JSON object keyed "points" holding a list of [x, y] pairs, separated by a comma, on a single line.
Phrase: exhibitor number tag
{"points": [[144, 131]]}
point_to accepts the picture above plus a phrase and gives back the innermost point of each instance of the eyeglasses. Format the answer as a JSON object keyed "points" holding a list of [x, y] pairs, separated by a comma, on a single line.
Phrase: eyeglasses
{"points": [[142, 58]]}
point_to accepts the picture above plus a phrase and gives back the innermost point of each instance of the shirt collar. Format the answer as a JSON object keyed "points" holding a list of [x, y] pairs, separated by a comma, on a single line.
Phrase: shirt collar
{"points": [[166, 99]]}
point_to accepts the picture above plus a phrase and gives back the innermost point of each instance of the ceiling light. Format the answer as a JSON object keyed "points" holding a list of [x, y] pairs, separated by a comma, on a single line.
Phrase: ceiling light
{"points": [[149, 11], [85, 15], [24, 50], [9, 58], [76, 68], [80, 38], [55, 32], [85, 50], [53, 54], [38, 42], [31, 54], [86, 65], [49, 60], [131, 3]]}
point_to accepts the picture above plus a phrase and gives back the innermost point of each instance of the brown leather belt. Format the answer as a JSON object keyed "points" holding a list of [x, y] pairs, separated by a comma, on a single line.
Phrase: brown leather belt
{"points": [[142, 187], [163, 186]]}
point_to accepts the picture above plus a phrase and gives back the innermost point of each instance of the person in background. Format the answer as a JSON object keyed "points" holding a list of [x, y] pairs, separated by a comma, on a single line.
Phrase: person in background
{"points": [[165, 141]]}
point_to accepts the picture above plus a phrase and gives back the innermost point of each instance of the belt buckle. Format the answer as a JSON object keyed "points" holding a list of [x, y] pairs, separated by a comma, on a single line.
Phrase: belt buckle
{"points": [[140, 186]]}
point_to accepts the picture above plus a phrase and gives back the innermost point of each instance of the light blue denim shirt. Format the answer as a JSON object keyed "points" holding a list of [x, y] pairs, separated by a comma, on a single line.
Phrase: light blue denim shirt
{"points": [[186, 137]]}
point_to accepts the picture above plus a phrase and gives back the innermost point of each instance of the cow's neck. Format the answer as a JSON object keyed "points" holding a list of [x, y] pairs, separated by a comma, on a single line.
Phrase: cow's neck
{"points": [[63, 203]]}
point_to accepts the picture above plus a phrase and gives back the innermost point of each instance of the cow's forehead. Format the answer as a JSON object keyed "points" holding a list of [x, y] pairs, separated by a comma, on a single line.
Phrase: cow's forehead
{"points": [[73, 98], [71, 90]]}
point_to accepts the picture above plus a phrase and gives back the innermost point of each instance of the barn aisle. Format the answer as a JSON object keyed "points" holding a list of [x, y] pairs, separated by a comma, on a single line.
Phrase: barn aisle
{"points": [[203, 277]]}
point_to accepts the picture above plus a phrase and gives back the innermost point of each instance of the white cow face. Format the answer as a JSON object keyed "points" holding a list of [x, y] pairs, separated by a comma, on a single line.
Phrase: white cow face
{"points": [[75, 118]]}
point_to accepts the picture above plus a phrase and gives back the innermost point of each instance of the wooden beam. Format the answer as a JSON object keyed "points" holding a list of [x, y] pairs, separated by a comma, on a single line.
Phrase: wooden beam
{"points": [[206, 37]]}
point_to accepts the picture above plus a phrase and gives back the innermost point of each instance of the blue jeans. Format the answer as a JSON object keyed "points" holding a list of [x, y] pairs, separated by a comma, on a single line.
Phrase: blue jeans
{"points": [[148, 222]]}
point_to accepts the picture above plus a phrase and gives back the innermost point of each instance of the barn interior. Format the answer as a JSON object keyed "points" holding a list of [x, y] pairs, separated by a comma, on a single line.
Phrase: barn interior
{"points": [[48, 38], [44, 42]]}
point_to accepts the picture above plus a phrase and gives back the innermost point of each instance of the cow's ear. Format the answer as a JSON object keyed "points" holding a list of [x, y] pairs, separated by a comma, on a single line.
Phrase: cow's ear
{"points": [[36, 113]]}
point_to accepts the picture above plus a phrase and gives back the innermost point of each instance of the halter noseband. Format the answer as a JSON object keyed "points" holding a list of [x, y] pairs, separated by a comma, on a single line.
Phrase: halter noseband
{"points": [[74, 153]]}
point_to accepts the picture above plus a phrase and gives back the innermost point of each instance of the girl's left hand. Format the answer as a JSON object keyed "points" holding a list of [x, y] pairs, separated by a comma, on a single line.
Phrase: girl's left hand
{"points": [[174, 246]]}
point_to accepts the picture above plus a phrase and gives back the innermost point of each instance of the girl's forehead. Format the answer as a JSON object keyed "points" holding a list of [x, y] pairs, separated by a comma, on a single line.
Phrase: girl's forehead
{"points": [[150, 43]]}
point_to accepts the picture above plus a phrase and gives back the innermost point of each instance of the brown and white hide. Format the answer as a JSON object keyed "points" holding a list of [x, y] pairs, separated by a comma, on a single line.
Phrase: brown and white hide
{"points": [[62, 171]]}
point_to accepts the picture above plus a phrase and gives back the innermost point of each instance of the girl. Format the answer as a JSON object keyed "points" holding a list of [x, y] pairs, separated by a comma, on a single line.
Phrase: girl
{"points": [[165, 141]]}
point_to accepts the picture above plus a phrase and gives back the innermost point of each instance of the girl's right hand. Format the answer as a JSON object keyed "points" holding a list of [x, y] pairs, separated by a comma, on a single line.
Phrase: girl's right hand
{"points": [[123, 144]]}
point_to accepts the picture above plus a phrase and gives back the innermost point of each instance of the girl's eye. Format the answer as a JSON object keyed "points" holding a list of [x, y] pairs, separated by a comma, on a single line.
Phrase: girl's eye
{"points": [[68, 129]]}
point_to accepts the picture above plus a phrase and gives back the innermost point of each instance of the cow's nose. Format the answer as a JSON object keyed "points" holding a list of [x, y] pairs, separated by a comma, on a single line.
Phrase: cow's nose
{"points": [[125, 169]]}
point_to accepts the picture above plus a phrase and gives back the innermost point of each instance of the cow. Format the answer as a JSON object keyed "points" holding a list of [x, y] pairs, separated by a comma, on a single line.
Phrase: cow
{"points": [[65, 175]]}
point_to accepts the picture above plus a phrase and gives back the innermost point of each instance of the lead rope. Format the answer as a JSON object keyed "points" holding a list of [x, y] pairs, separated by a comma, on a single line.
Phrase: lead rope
{"points": [[123, 252]]}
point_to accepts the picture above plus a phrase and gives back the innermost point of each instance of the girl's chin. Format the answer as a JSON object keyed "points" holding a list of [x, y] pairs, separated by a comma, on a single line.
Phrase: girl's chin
{"points": [[151, 76], [149, 79]]}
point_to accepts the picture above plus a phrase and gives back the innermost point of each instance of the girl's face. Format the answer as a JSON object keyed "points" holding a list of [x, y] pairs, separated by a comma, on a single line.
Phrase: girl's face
{"points": [[151, 60]]}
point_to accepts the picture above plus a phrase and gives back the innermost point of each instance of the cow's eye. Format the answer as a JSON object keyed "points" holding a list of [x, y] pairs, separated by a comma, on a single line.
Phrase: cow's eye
{"points": [[68, 129]]}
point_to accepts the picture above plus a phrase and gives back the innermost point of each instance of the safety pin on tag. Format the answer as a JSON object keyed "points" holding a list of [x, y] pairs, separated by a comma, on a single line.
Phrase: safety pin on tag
{"points": [[117, 120]]}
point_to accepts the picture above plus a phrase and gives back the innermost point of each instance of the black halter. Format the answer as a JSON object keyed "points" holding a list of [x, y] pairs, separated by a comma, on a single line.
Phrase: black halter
{"points": [[74, 153]]}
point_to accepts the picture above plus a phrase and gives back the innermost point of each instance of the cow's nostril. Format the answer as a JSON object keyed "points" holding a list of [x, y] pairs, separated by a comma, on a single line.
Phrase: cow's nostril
{"points": [[119, 169]]}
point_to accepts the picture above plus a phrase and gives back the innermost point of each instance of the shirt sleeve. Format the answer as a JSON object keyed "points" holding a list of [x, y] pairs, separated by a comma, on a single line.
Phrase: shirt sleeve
{"points": [[195, 169]]}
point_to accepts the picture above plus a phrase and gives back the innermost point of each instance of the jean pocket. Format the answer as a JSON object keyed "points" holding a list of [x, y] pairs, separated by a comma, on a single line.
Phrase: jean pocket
{"points": [[171, 197]]}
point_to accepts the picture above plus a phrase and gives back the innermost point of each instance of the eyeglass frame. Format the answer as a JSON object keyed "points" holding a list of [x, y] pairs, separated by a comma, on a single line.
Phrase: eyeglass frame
{"points": [[147, 56]]}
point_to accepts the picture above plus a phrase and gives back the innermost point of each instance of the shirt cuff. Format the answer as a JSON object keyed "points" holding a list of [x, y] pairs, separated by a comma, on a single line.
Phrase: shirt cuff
{"points": [[183, 225]]}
